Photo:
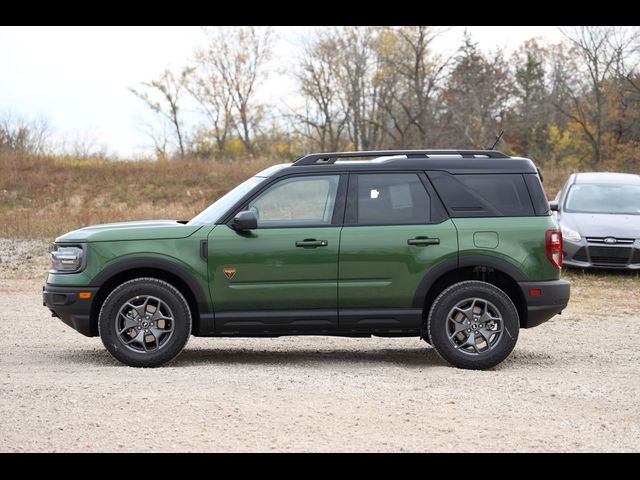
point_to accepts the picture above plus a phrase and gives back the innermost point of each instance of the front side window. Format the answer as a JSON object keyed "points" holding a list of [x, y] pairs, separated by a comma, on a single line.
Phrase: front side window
{"points": [[297, 201], [391, 199]]}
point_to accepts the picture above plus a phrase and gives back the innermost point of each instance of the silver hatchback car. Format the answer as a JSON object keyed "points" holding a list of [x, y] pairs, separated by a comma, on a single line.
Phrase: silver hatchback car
{"points": [[599, 214]]}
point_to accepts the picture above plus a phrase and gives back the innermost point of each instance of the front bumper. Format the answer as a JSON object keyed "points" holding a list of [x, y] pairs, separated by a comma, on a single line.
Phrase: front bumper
{"points": [[66, 304], [584, 254], [544, 300]]}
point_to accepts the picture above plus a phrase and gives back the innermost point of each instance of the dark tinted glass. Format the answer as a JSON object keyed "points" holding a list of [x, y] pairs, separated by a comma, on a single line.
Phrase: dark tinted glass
{"points": [[391, 199], [495, 195], [538, 197]]}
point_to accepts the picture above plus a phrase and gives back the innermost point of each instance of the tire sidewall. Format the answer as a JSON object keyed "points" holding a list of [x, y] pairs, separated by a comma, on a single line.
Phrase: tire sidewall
{"points": [[145, 286], [437, 324]]}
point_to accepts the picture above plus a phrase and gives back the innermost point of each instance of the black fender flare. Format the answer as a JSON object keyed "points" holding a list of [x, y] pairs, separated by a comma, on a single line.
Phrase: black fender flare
{"points": [[202, 299], [463, 261]]}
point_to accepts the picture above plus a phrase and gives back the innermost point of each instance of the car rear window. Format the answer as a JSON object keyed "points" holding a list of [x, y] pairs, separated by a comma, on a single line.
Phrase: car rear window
{"points": [[483, 195]]}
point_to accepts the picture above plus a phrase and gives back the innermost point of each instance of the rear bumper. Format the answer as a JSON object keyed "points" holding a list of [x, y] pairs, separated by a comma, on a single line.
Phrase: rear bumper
{"points": [[65, 303], [553, 297]]}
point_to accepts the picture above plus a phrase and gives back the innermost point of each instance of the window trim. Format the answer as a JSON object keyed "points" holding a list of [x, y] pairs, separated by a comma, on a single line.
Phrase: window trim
{"points": [[351, 210], [338, 208]]}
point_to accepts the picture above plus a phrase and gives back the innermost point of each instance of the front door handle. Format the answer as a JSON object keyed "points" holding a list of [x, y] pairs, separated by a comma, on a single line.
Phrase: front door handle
{"points": [[423, 241], [311, 243]]}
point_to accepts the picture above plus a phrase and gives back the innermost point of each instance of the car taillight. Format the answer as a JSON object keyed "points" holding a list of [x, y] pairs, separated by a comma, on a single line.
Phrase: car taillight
{"points": [[554, 247]]}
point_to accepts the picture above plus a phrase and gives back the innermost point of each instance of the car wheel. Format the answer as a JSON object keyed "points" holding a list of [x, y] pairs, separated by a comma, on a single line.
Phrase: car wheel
{"points": [[145, 322], [473, 325]]}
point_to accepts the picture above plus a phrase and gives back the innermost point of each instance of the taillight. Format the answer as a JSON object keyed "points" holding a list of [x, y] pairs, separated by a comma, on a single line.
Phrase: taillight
{"points": [[554, 247]]}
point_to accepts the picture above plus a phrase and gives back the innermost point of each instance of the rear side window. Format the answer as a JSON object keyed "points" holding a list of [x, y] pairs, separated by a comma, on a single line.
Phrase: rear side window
{"points": [[488, 195], [389, 199]]}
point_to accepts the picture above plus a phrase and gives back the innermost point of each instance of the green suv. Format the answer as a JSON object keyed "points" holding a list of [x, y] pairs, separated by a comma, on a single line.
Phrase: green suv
{"points": [[455, 247]]}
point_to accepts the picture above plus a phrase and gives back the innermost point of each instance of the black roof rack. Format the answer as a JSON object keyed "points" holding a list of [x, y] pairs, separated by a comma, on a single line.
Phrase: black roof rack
{"points": [[329, 158]]}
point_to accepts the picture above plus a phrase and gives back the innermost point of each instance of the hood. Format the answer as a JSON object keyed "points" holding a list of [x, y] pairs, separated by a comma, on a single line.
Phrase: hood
{"points": [[603, 225], [145, 230]]}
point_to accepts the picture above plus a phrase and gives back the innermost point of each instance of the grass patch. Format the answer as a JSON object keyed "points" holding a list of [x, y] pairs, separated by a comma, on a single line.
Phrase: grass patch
{"points": [[604, 293], [46, 197]]}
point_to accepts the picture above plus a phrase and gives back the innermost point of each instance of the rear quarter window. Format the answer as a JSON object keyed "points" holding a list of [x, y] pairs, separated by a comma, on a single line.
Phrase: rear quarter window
{"points": [[483, 195], [536, 192]]}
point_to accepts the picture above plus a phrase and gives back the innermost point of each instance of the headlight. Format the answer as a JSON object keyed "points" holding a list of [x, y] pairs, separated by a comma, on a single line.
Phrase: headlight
{"points": [[570, 234], [67, 259]]}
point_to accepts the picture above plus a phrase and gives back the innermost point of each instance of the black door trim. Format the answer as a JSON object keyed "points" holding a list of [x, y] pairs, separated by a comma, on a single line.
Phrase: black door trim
{"points": [[351, 319], [314, 319], [369, 319]]}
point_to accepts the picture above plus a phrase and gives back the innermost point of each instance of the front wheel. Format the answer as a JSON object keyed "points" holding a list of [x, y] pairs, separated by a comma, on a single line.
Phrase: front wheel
{"points": [[473, 325], [145, 322]]}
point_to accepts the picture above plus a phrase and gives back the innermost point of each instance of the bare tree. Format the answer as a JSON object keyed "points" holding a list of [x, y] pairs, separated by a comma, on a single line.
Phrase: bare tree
{"points": [[235, 59], [207, 86], [341, 79], [323, 119], [20, 135], [599, 52], [159, 135], [413, 105], [358, 67], [83, 143], [380, 85], [169, 88], [625, 124]]}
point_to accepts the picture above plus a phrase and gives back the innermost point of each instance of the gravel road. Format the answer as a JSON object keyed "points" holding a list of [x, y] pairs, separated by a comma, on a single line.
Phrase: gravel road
{"points": [[570, 385]]}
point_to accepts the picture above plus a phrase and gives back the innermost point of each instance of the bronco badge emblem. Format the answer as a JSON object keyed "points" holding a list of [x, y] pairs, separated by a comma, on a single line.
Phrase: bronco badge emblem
{"points": [[229, 272]]}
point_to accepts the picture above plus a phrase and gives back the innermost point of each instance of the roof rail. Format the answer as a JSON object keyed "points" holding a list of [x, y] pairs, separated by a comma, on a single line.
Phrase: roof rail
{"points": [[330, 158]]}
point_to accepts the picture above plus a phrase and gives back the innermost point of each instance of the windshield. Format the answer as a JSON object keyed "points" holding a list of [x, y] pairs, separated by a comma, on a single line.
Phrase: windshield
{"points": [[218, 208], [604, 198]]}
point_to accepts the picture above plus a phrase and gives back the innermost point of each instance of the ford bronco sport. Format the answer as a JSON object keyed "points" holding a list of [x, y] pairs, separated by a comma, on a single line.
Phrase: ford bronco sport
{"points": [[457, 248]]}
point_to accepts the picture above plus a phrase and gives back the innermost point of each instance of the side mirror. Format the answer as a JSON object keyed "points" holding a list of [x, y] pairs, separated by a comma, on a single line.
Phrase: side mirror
{"points": [[553, 205], [245, 221]]}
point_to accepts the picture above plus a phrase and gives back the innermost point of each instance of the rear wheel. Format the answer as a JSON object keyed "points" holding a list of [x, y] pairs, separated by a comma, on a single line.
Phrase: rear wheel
{"points": [[473, 325], [145, 322]]}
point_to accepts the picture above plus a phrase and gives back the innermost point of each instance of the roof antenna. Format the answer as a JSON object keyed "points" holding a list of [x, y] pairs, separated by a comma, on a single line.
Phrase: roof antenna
{"points": [[493, 147]]}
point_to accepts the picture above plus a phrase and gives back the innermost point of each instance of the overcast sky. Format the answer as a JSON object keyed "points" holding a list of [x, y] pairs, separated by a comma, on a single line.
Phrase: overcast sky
{"points": [[77, 77]]}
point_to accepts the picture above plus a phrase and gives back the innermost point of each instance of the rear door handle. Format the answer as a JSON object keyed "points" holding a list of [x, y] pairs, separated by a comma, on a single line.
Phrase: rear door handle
{"points": [[423, 241], [311, 243]]}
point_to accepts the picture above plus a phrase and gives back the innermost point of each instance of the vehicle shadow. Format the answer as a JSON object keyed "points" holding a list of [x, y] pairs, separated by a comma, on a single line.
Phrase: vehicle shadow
{"points": [[417, 357], [397, 356], [403, 357]]}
